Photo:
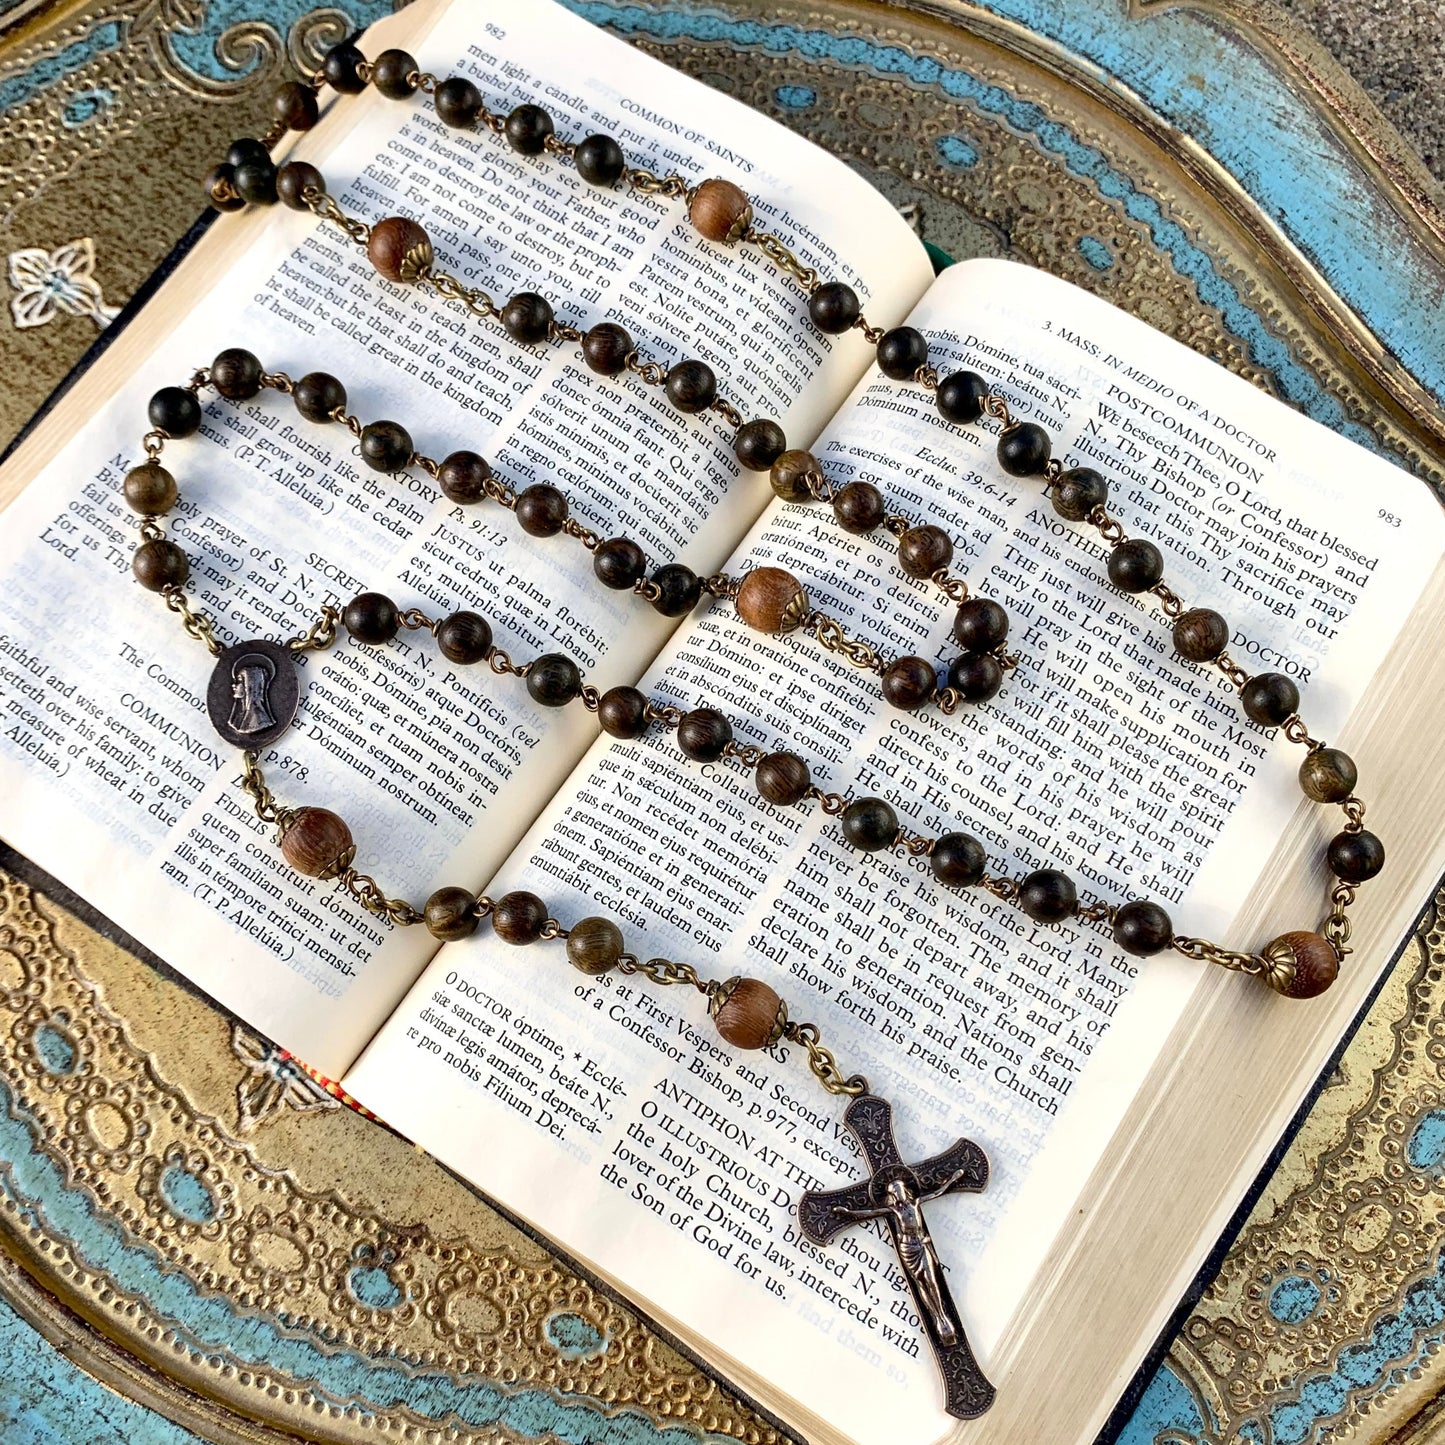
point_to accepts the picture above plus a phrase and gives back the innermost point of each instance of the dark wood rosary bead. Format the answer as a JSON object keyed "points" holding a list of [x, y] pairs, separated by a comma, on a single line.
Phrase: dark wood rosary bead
{"points": [[399, 249], [594, 946], [619, 563], [342, 69], [783, 778], [1327, 775], [318, 843], [1048, 896], [869, 824], [902, 352], [1270, 699], [528, 318], [720, 211], [220, 188], [465, 638], [160, 564], [541, 510], [318, 396], [975, 676], [371, 618], [528, 129], [553, 680], [1355, 857], [245, 150], [463, 478], [748, 1014], [294, 179], [606, 347], [1135, 565], [859, 507], [451, 913], [1200, 635], [834, 307], [1078, 492], [622, 712], [703, 734], [175, 411], [759, 444], [1142, 928], [960, 397], [458, 102], [924, 550], [679, 589], [256, 182], [599, 160], [771, 600], [1302, 965], [691, 386], [295, 106], [958, 859], [519, 917], [395, 74], [908, 683], [236, 374], [793, 474], [150, 489], [1023, 449], [386, 446], [981, 625]]}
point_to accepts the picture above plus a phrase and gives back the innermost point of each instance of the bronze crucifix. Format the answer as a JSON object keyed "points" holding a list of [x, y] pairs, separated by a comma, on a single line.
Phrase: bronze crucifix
{"points": [[895, 1191]]}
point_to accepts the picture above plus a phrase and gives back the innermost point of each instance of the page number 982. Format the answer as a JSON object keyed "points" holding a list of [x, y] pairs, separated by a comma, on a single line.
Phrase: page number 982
{"points": [[1389, 518], [495, 31]]}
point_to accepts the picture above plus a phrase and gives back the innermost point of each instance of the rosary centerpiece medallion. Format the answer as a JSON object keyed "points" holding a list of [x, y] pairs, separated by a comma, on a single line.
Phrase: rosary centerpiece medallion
{"points": [[253, 693], [895, 1192]]}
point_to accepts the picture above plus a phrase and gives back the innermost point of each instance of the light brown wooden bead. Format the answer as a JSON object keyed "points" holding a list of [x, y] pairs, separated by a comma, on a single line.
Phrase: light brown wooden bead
{"points": [[1327, 775], [748, 1014], [1302, 964], [318, 843], [594, 945], [771, 600], [451, 913], [720, 211], [150, 489], [399, 248], [791, 472]]}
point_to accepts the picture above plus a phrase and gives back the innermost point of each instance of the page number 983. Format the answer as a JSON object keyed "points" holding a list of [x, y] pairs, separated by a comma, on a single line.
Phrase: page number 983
{"points": [[1389, 518]]}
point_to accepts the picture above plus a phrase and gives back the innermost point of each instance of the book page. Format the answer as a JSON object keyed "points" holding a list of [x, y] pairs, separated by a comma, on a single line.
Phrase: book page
{"points": [[112, 776], [610, 1114]]}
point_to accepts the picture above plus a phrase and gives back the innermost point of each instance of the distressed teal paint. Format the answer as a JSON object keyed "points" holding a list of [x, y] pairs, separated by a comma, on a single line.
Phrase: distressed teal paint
{"points": [[198, 51], [1294, 1299], [85, 105], [795, 97], [1167, 1404], [187, 1196], [573, 1337], [213, 1325], [1096, 253], [54, 1049], [27, 84], [46, 1400], [374, 1287], [955, 151], [1295, 382], [1426, 1148]]}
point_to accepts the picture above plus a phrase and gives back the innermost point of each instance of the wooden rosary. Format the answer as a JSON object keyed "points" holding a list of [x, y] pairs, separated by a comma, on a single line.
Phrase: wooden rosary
{"points": [[254, 690]]}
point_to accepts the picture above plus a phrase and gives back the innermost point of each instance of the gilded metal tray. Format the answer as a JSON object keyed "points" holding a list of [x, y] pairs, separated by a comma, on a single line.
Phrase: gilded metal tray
{"points": [[189, 1218]]}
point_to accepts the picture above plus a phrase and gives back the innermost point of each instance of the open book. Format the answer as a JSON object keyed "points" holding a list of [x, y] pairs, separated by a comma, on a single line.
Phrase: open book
{"points": [[1126, 1106]]}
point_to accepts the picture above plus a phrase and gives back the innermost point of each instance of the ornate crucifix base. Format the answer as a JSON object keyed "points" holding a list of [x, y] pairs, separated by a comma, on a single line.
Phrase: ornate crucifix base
{"points": [[895, 1191]]}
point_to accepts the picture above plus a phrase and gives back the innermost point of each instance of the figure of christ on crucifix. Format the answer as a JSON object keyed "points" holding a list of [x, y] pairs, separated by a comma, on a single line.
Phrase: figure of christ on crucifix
{"points": [[895, 1192]]}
